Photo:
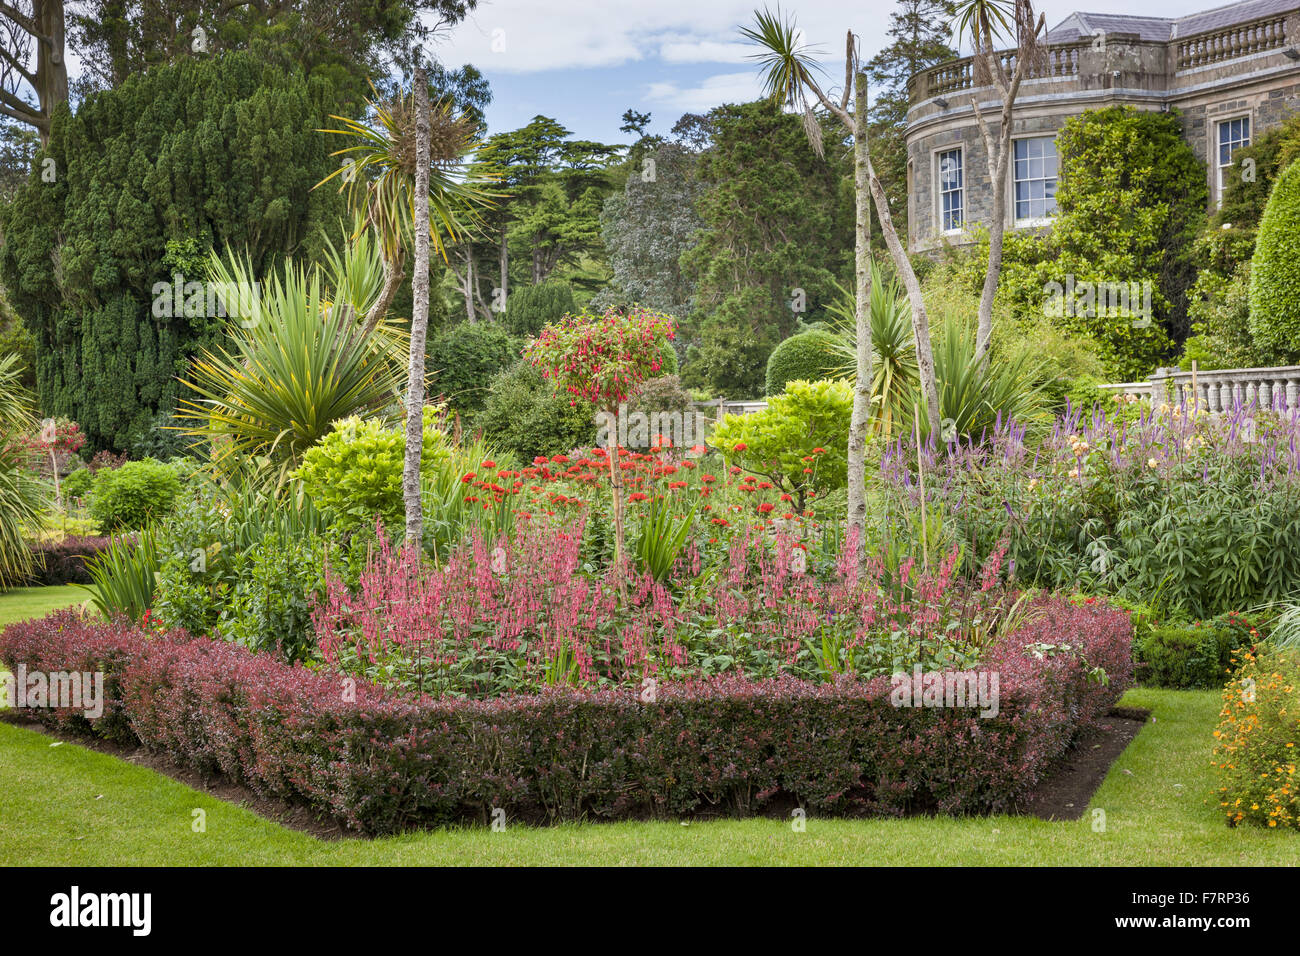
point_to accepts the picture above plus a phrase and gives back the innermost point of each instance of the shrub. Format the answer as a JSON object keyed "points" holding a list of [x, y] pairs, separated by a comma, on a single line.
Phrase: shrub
{"points": [[77, 484], [808, 356], [64, 562], [1188, 656], [128, 498], [799, 441], [464, 358], [272, 604], [1257, 741], [530, 307], [524, 416], [355, 473], [383, 764], [1275, 272]]}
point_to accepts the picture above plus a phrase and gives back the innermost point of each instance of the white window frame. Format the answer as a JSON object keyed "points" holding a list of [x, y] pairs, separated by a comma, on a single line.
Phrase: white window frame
{"points": [[940, 192], [1029, 222], [1216, 144]]}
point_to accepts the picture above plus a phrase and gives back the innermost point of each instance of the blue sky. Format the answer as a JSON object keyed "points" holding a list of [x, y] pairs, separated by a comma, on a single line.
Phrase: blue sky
{"points": [[584, 62]]}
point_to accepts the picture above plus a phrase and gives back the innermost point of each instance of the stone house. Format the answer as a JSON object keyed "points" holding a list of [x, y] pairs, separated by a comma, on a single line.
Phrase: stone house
{"points": [[1232, 72]]}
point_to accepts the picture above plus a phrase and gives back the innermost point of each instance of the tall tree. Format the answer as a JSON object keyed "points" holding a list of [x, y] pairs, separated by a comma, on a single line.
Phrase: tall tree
{"points": [[24, 25], [984, 23], [777, 231], [919, 31], [648, 226], [788, 75], [419, 318], [83, 253]]}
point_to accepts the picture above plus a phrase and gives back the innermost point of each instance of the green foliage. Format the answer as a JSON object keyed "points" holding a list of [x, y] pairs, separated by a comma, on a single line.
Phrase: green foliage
{"points": [[1219, 308], [974, 395], [1244, 197], [530, 307], [1086, 394], [661, 394], [355, 473], [894, 375], [454, 508], [729, 355], [77, 483], [777, 218], [213, 149], [799, 442], [661, 537], [22, 495], [808, 356], [205, 548], [1125, 222], [1187, 656], [649, 225], [124, 577], [525, 416], [295, 364], [133, 496], [463, 358], [271, 607], [1057, 357], [1275, 272]]}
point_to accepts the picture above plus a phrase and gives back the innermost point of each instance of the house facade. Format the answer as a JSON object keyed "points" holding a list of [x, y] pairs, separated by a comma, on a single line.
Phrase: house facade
{"points": [[1232, 72]]}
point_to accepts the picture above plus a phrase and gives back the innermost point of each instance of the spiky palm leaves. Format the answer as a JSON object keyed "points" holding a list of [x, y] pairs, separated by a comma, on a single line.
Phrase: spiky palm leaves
{"points": [[22, 494], [297, 360]]}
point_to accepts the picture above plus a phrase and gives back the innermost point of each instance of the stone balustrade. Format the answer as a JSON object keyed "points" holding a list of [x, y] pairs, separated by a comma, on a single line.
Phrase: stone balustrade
{"points": [[1220, 390]]}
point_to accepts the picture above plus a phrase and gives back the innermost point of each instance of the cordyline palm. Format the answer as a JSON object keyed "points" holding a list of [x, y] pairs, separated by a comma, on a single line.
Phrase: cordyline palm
{"points": [[788, 78], [22, 496], [295, 362], [378, 172], [893, 350]]}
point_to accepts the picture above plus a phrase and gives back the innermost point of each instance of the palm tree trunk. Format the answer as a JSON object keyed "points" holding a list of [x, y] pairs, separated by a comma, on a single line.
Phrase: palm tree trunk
{"points": [[857, 509], [393, 276], [419, 318], [920, 320]]}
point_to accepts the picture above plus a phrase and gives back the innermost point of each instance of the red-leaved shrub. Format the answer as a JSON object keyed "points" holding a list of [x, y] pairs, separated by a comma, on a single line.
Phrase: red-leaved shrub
{"points": [[382, 764], [64, 562]]}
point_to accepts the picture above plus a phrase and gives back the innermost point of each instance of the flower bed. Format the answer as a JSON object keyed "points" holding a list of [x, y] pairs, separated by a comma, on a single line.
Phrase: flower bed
{"points": [[382, 763]]}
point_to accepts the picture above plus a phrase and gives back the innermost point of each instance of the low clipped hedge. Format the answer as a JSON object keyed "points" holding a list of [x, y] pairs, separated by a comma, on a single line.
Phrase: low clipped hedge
{"points": [[64, 562], [1189, 656], [382, 764]]}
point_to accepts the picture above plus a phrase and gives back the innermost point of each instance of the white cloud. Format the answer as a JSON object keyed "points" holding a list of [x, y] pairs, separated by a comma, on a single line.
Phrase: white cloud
{"points": [[704, 51], [723, 88]]}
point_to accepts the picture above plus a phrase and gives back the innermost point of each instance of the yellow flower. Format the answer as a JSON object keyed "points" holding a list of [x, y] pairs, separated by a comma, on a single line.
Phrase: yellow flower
{"points": [[1151, 463]]}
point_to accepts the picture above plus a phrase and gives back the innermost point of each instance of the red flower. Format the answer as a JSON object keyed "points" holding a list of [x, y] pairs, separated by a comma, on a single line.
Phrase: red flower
{"points": [[740, 446], [765, 508], [638, 496]]}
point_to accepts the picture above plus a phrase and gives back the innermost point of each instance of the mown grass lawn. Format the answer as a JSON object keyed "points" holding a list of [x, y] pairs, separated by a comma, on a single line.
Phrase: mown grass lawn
{"points": [[70, 806]]}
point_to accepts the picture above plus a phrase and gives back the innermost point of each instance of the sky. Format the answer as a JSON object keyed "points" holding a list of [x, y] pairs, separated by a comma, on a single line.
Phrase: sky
{"points": [[583, 62]]}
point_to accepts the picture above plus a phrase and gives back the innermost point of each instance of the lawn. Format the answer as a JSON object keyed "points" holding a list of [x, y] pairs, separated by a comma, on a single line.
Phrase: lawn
{"points": [[70, 806]]}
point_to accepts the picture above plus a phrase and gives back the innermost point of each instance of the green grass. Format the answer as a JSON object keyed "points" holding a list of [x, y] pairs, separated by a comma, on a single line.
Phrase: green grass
{"points": [[22, 603], [69, 806]]}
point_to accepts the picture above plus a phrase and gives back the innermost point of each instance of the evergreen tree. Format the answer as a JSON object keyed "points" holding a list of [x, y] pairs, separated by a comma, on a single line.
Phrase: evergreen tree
{"points": [[218, 151]]}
